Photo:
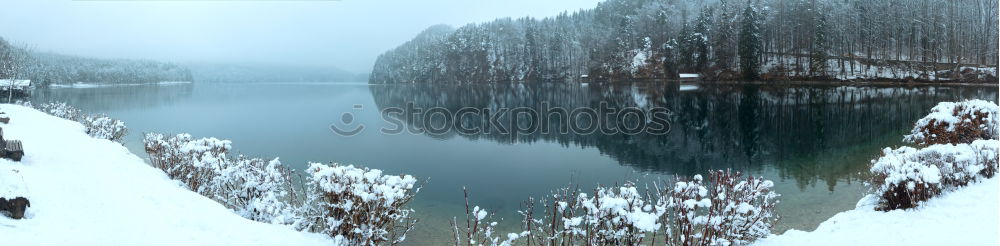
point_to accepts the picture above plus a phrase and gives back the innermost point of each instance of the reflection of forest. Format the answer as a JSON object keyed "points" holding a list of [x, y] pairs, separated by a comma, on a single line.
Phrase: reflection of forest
{"points": [[111, 98], [807, 133]]}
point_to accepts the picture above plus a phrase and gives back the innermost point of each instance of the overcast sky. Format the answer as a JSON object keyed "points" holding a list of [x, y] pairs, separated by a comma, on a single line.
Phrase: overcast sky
{"points": [[348, 34]]}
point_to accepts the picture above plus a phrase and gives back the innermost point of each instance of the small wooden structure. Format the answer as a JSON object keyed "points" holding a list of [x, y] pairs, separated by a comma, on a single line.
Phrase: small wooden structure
{"points": [[688, 77], [15, 87], [10, 149]]}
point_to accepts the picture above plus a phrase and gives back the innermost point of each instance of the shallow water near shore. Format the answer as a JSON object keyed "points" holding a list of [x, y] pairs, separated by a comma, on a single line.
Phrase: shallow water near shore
{"points": [[814, 141]]}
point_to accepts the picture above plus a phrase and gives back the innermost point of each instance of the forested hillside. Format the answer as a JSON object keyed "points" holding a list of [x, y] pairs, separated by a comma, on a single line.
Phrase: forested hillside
{"points": [[929, 40], [46, 69]]}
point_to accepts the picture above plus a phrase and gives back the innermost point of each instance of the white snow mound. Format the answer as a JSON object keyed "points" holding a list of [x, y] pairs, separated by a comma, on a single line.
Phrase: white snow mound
{"points": [[967, 216], [87, 191]]}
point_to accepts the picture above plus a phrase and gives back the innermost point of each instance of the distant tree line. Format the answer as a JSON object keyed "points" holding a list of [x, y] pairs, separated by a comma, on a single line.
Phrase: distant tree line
{"points": [[719, 39], [45, 68], [243, 73]]}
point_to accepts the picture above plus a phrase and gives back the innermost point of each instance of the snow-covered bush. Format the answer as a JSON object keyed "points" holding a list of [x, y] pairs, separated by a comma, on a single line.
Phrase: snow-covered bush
{"points": [[98, 126], [956, 122], [614, 215], [361, 205], [257, 189], [25, 103], [184, 158], [959, 146], [61, 110], [904, 177], [480, 229], [726, 209], [354, 206], [104, 127]]}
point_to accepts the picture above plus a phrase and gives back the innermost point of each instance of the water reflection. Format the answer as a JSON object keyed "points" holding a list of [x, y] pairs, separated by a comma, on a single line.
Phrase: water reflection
{"points": [[807, 133], [111, 98]]}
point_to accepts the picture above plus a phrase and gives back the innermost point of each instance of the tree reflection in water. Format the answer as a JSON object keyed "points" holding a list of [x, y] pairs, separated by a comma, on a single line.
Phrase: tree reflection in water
{"points": [[807, 133]]}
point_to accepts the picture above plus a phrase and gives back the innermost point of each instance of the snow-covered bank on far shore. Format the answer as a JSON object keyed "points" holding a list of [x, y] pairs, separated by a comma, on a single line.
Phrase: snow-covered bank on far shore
{"points": [[87, 191], [967, 216], [82, 85]]}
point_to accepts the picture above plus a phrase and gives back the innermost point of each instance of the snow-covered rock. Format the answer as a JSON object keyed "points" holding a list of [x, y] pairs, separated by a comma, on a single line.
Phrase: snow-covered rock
{"points": [[88, 191]]}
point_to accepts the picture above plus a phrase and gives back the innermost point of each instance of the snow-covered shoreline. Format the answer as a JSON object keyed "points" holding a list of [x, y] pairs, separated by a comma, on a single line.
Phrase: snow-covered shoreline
{"points": [[967, 216], [87, 191]]}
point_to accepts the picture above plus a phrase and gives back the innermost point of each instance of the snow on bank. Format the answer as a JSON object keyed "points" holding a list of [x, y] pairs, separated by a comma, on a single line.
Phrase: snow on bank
{"points": [[83, 85], [967, 216], [87, 191]]}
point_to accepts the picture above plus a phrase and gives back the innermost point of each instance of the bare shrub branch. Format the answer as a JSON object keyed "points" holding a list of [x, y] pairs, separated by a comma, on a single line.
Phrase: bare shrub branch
{"points": [[726, 209]]}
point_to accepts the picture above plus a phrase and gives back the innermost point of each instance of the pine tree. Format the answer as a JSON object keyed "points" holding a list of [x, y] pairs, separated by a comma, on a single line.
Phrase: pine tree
{"points": [[531, 51], [750, 44], [700, 39], [721, 40], [817, 63], [669, 50], [625, 43], [686, 49]]}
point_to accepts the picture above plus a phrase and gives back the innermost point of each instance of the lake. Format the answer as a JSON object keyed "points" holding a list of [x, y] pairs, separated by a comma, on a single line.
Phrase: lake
{"points": [[814, 141]]}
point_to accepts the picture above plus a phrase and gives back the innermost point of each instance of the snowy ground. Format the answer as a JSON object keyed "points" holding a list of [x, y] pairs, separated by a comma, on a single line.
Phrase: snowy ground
{"points": [[86, 191], [968, 216]]}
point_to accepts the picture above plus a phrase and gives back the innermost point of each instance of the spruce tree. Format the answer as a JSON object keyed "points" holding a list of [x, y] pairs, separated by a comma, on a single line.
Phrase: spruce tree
{"points": [[686, 48], [531, 51], [669, 50], [724, 30], [817, 61], [750, 44], [700, 39]]}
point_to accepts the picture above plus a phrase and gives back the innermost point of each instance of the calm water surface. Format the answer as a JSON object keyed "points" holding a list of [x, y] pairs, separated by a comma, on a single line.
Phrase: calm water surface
{"points": [[814, 141]]}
